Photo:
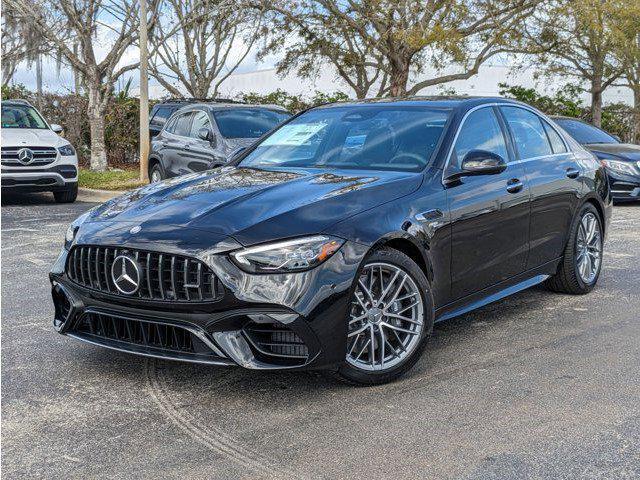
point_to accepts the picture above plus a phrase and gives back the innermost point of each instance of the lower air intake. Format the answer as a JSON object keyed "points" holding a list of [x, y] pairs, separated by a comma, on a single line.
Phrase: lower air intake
{"points": [[276, 343]]}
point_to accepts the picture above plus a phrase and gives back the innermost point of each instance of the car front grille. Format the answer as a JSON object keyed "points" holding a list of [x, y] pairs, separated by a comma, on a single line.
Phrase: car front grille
{"points": [[139, 335], [163, 277], [276, 341], [41, 156]]}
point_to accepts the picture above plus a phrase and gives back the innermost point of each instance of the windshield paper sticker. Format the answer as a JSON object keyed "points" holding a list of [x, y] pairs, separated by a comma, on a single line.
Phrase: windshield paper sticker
{"points": [[293, 135]]}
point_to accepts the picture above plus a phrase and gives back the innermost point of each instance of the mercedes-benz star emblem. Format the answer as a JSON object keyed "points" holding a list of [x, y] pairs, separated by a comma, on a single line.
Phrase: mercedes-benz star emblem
{"points": [[125, 273], [25, 156]]}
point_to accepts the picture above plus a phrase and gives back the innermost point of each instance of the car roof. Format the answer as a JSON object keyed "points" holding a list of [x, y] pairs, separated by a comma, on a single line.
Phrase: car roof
{"points": [[215, 103], [16, 101], [449, 101]]}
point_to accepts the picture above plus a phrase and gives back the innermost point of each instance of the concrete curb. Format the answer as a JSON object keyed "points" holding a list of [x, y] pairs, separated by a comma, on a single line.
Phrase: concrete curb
{"points": [[99, 196]]}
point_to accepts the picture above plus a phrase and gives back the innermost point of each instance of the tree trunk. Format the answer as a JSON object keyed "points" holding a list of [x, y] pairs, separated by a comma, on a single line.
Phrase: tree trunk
{"points": [[635, 126], [398, 79], [95, 112], [596, 102]]}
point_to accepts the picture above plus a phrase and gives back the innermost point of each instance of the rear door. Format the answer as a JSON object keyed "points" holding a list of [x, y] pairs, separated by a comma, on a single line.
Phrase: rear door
{"points": [[554, 177], [176, 142], [489, 213]]}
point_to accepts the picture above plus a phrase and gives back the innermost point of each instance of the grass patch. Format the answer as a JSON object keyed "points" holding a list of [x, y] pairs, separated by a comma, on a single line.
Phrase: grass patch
{"points": [[109, 180]]}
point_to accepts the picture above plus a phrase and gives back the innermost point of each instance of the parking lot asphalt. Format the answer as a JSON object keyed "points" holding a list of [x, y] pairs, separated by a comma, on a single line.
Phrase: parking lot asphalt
{"points": [[539, 385]]}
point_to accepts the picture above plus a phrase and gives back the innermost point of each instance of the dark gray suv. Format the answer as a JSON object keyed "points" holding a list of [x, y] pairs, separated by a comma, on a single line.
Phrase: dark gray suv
{"points": [[201, 136]]}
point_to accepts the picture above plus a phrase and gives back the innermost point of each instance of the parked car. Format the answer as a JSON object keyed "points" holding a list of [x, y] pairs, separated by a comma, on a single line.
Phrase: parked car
{"points": [[622, 160], [336, 241], [34, 157], [204, 135], [161, 111]]}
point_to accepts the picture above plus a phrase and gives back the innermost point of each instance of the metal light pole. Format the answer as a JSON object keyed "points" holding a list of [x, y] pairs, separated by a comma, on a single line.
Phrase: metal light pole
{"points": [[144, 95]]}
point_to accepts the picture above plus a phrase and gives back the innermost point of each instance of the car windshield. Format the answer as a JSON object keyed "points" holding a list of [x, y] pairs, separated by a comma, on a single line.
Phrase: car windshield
{"points": [[376, 137], [248, 122], [584, 133], [21, 116]]}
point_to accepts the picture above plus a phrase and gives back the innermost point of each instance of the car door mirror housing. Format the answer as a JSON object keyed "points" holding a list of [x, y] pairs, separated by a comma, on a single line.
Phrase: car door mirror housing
{"points": [[482, 162], [207, 135], [56, 128], [478, 162]]}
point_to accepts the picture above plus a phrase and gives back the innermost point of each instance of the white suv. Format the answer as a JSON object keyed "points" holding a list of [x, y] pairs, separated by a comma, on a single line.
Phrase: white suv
{"points": [[34, 157]]}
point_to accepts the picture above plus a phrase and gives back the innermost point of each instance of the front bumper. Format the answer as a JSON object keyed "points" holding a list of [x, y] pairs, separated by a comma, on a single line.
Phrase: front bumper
{"points": [[294, 321], [56, 178], [624, 187]]}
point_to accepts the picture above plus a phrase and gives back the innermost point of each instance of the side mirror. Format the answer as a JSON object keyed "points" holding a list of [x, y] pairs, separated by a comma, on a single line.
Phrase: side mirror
{"points": [[56, 128], [479, 162], [207, 135]]}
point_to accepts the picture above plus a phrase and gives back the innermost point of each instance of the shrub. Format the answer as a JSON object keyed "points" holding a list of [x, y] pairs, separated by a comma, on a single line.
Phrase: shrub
{"points": [[293, 103]]}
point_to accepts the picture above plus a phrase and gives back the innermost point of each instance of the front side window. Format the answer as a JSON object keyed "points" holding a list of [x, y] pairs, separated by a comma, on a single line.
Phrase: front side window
{"points": [[584, 133], [200, 121], [480, 131], [247, 122], [21, 116], [528, 133], [375, 137]]}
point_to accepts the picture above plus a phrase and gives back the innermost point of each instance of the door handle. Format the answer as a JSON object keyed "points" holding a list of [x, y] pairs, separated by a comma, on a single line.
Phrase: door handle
{"points": [[573, 172], [514, 185]]}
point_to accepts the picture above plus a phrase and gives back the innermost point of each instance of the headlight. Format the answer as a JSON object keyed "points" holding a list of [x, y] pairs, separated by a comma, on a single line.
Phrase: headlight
{"points": [[620, 167], [66, 150], [289, 256], [72, 230], [70, 235]]}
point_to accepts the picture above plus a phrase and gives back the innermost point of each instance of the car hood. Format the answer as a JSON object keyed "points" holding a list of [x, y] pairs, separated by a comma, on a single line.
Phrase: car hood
{"points": [[255, 205], [18, 137], [623, 151]]}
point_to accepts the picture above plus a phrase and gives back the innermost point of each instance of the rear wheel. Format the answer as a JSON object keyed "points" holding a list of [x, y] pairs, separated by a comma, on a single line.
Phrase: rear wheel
{"points": [[155, 173], [67, 196], [390, 319], [582, 260]]}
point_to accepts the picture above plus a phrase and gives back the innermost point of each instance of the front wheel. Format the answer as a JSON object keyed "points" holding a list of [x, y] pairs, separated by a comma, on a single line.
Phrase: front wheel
{"points": [[390, 319], [580, 267], [67, 196]]}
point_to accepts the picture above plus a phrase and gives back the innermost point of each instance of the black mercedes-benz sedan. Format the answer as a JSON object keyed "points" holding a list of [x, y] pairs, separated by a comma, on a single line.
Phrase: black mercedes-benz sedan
{"points": [[622, 160], [337, 240]]}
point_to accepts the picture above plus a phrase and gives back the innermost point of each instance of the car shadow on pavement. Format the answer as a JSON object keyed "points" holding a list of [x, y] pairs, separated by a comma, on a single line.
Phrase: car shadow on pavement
{"points": [[27, 199]]}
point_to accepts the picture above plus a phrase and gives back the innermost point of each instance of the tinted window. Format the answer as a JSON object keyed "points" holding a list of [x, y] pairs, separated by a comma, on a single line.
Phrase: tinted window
{"points": [[21, 116], [357, 137], [528, 132], [181, 125], [480, 131], [200, 120], [247, 122], [557, 144], [161, 115], [585, 133]]}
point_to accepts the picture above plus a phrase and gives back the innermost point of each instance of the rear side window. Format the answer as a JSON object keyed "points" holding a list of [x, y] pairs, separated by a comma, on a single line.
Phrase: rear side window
{"points": [[247, 122], [480, 131], [160, 117], [557, 144], [181, 125], [528, 133]]}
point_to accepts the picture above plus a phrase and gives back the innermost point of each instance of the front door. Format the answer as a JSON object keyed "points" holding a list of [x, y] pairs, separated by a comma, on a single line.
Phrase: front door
{"points": [[489, 213]]}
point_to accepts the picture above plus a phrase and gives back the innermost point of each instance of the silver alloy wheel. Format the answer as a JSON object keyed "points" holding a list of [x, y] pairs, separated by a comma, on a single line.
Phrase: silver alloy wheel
{"points": [[588, 247], [155, 175], [386, 318]]}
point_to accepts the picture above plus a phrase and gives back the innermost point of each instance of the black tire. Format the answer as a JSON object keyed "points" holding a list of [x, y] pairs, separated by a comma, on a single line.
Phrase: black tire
{"points": [[567, 279], [348, 373], [67, 196], [156, 169]]}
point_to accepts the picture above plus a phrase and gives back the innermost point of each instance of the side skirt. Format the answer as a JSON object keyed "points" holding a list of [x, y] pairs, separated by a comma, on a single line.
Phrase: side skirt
{"points": [[497, 292]]}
